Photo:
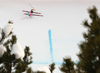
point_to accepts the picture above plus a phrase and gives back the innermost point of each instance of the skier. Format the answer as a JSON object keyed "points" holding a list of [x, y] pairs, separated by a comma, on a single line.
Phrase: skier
{"points": [[32, 13], [32, 10]]}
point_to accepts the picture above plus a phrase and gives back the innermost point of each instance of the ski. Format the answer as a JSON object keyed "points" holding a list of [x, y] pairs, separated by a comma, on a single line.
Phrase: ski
{"points": [[25, 11], [33, 12], [36, 15], [37, 12]]}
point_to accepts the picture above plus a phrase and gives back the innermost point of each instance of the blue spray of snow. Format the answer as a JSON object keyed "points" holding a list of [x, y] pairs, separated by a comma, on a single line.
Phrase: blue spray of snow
{"points": [[50, 42]]}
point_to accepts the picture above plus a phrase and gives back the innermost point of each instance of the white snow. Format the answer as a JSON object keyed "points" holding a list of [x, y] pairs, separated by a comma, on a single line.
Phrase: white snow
{"points": [[97, 58], [44, 68], [17, 51], [7, 29], [1, 50], [0, 30]]}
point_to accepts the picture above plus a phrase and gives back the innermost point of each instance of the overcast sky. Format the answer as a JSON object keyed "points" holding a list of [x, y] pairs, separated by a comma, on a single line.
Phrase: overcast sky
{"points": [[64, 19]]}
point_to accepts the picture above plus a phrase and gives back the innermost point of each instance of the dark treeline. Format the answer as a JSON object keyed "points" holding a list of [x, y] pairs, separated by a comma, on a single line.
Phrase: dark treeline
{"points": [[89, 54]]}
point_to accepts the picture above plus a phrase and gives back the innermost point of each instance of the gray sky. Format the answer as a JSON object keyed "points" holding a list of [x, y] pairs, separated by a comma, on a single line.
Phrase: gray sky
{"points": [[63, 18]]}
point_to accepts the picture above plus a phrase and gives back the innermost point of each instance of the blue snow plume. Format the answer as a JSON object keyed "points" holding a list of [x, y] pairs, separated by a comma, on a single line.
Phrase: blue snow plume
{"points": [[50, 42]]}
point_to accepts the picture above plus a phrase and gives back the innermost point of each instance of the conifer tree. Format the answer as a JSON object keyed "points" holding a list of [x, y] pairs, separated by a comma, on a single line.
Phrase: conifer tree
{"points": [[40, 72], [8, 62], [89, 56], [67, 66], [29, 70], [52, 67]]}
